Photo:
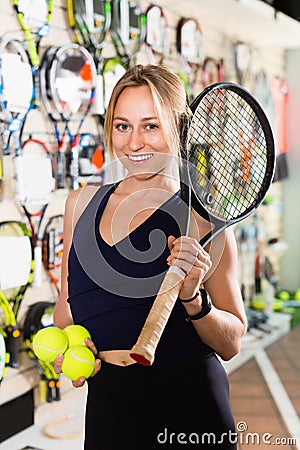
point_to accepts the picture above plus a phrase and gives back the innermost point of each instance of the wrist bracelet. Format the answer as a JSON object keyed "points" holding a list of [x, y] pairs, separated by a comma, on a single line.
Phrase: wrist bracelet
{"points": [[189, 299], [206, 306]]}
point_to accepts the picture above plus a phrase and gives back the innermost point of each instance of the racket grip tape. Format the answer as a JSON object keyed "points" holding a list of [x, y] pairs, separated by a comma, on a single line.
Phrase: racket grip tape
{"points": [[144, 349], [37, 274], [12, 344]]}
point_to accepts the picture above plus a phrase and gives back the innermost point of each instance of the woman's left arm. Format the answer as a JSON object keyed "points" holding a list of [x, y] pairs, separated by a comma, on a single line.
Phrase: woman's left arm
{"points": [[225, 325]]}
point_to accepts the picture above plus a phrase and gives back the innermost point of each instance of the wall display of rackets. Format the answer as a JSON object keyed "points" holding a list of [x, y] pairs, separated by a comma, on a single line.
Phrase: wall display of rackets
{"points": [[226, 178]]}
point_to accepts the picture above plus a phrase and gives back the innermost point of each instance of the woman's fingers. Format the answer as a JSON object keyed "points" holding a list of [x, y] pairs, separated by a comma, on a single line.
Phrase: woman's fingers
{"points": [[81, 380]]}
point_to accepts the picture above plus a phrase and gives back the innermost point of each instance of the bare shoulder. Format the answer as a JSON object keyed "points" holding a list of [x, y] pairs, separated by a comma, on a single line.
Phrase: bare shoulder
{"points": [[77, 201]]}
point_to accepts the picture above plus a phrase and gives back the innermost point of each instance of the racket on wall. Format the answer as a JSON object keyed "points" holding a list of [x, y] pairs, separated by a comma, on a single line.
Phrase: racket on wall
{"points": [[91, 160], [190, 50], [40, 315], [72, 85], [157, 34], [97, 20], [37, 184], [52, 249], [16, 93], [242, 57], [3, 355], [16, 266], [231, 189], [61, 130], [34, 17], [212, 71], [128, 29], [15, 276]]}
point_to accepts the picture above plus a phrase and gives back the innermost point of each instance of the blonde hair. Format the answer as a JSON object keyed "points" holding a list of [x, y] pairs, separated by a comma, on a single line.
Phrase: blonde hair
{"points": [[170, 102]]}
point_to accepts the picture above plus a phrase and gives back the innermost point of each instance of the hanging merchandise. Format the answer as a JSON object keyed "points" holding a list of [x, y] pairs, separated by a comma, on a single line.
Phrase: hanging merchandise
{"points": [[68, 83], [128, 29], [281, 96], [157, 37], [52, 249], [90, 21], [16, 89], [34, 17], [16, 268], [38, 316], [190, 50]]}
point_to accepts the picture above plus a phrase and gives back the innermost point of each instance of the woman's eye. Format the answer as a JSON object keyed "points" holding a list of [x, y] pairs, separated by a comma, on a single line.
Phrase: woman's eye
{"points": [[152, 126], [122, 127]]}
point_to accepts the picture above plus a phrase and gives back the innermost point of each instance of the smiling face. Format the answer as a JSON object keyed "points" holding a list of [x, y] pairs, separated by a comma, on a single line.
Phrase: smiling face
{"points": [[137, 134]]}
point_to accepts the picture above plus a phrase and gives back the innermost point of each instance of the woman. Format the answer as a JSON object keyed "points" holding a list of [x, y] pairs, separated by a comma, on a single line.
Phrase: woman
{"points": [[119, 241]]}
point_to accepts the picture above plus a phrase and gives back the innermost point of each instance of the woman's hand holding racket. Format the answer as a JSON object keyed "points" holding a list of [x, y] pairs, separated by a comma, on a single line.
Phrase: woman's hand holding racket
{"points": [[223, 177], [189, 256]]}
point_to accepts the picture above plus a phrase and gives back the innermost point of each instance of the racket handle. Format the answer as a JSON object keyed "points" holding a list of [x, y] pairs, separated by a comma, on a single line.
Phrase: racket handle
{"points": [[37, 275], [19, 177], [61, 169], [13, 334], [144, 349], [98, 105]]}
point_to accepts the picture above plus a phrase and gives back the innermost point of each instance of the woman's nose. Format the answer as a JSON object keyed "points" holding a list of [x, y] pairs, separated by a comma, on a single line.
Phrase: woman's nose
{"points": [[136, 140]]}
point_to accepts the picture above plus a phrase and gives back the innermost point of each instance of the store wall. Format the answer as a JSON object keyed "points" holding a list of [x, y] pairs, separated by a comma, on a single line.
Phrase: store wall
{"points": [[218, 44], [290, 267]]}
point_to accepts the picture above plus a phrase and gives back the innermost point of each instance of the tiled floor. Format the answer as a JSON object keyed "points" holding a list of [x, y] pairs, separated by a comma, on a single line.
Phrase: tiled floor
{"points": [[257, 413], [265, 395]]}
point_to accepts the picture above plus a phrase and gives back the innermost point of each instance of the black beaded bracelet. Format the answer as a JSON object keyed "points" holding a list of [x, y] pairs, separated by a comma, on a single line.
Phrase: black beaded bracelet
{"points": [[206, 306], [189, 299]]}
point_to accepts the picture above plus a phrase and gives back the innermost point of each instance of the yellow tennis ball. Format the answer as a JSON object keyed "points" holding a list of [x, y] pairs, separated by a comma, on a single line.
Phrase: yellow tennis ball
{"points": [[48, 343], [76, 335], [79, 361]]}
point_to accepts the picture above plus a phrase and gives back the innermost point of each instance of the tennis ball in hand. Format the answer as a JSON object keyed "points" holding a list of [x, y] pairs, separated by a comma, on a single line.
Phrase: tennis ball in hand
{"points": [[79, 361], [76, 335], [48, 343]]}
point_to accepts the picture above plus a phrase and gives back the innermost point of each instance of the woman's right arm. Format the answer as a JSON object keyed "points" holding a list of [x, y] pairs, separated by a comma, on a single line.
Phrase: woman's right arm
{"points": [[62, 311], [75, 204]]}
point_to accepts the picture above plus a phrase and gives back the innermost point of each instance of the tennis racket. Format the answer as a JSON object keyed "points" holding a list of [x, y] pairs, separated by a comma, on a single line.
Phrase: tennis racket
{"points": [[190, 51], [72, 85], [35, 169], [97, 20], [16, 93], [3, 355], [40, 315], [212, 71], [128, 29], [79, 31], [52, 249], [242, 57], [91, 160], [157, 34], [34, 17], [16, 266], [233, 187], [15, 276]]}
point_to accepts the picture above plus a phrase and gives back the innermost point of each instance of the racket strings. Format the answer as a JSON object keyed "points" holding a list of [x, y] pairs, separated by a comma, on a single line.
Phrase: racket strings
{"points": [[227, 154]]}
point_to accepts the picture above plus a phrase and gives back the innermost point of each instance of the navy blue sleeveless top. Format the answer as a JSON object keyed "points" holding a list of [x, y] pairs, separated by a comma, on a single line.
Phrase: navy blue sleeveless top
{"points": [[112, 288]]}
